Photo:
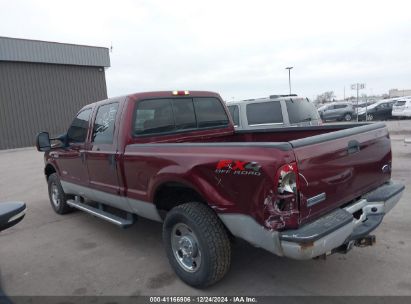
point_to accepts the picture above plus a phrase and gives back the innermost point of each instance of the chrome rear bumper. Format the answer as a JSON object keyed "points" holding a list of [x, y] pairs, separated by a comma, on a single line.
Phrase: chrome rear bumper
{"points": [[341, 226]]}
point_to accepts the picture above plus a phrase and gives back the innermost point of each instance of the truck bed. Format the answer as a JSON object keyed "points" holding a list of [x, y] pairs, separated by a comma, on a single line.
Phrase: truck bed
{"points": [[337, 164]]}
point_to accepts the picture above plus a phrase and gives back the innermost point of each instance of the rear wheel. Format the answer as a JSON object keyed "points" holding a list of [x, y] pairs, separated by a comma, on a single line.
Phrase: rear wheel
{"points": [[197, 244], [347, 117], [58, 198], [370, 117]]}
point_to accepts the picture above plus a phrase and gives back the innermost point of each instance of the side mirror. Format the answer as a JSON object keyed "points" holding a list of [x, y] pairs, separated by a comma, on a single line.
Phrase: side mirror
{"points": [[43, 142], [11, 213]]}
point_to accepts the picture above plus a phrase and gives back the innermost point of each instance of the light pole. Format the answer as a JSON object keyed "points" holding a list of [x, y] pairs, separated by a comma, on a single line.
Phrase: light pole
{"points": [[360, 86], [289, 77]]}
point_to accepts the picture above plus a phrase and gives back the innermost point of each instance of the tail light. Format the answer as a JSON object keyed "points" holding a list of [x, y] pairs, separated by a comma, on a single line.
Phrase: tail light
{"points": [[287, 179], [282, 207]]}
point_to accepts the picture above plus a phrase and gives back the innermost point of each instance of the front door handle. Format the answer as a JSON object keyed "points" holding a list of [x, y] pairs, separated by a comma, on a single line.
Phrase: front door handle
{"points": [[83, 156]]}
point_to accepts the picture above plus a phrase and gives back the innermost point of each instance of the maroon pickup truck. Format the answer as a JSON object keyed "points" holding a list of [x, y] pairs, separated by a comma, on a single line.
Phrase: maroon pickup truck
{"points": [[174, 157]]}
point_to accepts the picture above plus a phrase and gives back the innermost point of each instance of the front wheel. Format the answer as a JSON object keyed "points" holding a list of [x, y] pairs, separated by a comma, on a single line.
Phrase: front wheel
{"points": [[197, 244], [370, 117], [57, 196]]}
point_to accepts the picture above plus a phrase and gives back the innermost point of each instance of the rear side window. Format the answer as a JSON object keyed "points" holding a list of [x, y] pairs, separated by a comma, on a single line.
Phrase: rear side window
{"points": [[301, 110], [103, 129], [264, 113], [234, 114], [154, 116], [340, 106], [400, 103], [210, 112], [79, 127]]}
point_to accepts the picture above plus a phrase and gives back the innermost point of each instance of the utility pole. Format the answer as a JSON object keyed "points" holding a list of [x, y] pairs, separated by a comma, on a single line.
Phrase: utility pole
{"points": [[289, 77]]}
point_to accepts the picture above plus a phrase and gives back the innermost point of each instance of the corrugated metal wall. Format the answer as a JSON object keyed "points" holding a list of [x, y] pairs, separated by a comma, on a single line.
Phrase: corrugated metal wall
{"points": [[43, 97], [12, 49]]}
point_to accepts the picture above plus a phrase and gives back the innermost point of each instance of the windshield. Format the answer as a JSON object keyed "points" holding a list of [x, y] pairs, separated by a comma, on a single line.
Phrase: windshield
{"points": [[301, 110]]}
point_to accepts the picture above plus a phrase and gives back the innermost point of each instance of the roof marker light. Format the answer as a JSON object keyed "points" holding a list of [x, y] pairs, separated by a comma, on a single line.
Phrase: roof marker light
{"points": [[181, 93]]}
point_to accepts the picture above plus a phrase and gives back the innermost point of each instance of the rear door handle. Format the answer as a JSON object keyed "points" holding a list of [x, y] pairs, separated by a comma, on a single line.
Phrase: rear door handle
{"points": [[83, 156], [353, 147], [112, 160]]}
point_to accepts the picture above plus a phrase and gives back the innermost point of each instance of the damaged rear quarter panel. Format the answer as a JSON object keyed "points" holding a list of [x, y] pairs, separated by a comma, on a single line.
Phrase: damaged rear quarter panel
{"points": [[232, 179]]}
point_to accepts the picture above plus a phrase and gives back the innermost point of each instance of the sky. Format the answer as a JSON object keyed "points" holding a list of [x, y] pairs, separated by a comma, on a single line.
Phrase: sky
{"points": [[237, 48]]}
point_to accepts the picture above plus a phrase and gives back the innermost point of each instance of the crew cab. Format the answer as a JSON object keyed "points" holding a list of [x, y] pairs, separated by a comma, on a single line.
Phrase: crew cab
{"points": [[175, 157], [276, 111]]}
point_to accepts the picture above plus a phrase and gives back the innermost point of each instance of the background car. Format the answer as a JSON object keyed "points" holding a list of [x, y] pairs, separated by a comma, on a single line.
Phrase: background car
{"points": [[363, 104], [337, 111], [276, 111], [381, 110], [402, 107]]}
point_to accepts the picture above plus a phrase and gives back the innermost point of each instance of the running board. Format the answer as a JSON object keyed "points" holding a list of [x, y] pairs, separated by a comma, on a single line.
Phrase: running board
{"points": [[98, 212]]}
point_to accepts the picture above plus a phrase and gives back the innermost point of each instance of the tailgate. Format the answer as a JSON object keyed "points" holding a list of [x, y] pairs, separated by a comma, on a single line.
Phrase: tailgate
{"points": [[338, 167]]}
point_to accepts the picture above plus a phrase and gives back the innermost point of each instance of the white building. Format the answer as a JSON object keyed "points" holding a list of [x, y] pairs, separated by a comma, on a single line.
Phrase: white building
{"points": [[399, 93]]}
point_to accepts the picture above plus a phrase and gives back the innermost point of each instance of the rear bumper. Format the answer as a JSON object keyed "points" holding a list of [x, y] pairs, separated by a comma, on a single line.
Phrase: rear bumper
{"points": [[341, 226]]}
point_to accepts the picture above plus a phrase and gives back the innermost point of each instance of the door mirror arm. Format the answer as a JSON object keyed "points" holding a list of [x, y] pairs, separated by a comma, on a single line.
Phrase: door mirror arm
{"points": [[43, 141], [63, 138]]}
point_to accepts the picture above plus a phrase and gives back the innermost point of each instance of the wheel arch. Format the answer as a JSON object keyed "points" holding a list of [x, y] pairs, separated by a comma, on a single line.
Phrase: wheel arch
{"points": [[172, 193], [49, 169]]}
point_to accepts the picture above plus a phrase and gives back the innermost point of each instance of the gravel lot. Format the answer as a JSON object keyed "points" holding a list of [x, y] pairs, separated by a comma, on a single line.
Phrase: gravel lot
{"points": [[76, 254]]}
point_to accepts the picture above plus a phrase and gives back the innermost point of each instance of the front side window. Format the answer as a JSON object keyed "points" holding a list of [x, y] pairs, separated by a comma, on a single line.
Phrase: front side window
{"points": [[301, 110], [78, 129], [234, 114], [264, 113], [103, 129]]}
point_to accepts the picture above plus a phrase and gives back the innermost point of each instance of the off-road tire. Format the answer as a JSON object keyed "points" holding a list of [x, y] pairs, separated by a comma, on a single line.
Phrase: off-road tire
{"points": [[213, 242], [62, 207]]}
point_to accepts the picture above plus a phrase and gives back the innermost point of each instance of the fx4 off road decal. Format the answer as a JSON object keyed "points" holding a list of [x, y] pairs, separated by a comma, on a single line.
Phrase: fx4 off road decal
{"points": [[238, 167]]}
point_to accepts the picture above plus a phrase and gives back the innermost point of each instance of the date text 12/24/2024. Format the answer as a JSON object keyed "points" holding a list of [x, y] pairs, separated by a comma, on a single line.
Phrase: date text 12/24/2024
{"points": [[204, 299]]}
